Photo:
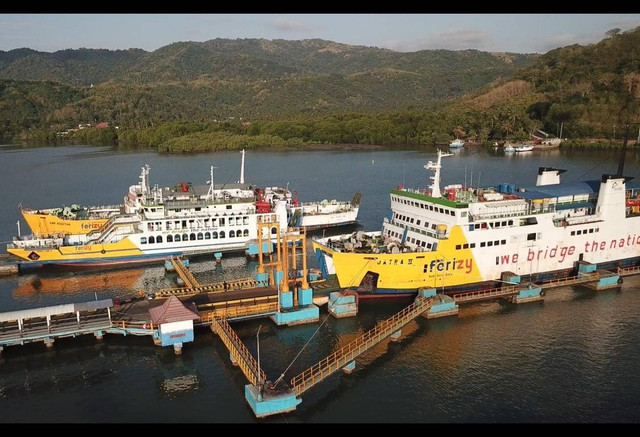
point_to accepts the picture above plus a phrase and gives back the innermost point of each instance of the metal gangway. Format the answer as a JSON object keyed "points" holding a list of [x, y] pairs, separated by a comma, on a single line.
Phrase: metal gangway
{"points": [[184, 273], [472, 296], [218, 287], [239, 352], [346, 354]]}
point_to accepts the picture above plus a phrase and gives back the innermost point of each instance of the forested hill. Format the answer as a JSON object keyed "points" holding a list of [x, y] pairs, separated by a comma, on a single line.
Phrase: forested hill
{"points": [[251, 60], [589, 89]]}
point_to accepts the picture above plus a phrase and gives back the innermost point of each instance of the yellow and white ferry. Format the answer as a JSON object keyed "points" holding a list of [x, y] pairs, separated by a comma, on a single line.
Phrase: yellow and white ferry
{"points": [[154, 223], [78, 220], [462, 237]]}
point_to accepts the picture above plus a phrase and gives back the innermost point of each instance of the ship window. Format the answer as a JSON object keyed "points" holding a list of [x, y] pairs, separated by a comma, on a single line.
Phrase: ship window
{"points": [[573, 233], [231, 222], [591, 231], [221, 221], [149, 226], [274, 230], [428, 245], [158, 226], [411, 219], [222, 234], [463, 214], [177, 224], [476, 226], [176, 237], [472, 245], [198, 209], [423, 243], [143, 240], [153, 210], [458, 247], [169, 238], [531, 236], [597, 229], [504, 223], [497, 242], [510, 222], [441, 210], [497, 260], [232, 234], [214, 235], [245, 233], [207, 235], [495, 225], [192, 237], [152, 240], [489, 243], [184, 224], [422, 205], [228, 206], [418, 222], [159, 239], [578, 232], [245, 220], [185, 237], [482, 244], [169, 226], [503, 242], [200, 236]]}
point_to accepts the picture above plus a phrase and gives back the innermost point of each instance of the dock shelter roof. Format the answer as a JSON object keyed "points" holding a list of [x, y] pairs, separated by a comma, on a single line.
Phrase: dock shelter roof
{"points": [[55, 310], [173, 310]]}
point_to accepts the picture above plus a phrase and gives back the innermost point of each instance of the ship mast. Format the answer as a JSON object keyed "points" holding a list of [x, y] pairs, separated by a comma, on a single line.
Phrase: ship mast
{"points": [[144, 180], [241, 181], [211, 193], [436, 166]]}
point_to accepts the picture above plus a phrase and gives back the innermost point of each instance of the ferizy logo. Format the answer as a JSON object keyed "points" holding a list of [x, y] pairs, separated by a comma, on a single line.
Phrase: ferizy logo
{"points": [[440, 265]]}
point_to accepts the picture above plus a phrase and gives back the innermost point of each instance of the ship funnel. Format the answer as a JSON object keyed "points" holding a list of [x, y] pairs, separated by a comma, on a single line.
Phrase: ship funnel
{"points": [[548, 176]]}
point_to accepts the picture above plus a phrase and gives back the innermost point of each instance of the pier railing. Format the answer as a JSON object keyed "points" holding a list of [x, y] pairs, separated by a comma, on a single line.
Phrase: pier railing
{"points": [[341, 357], [238, 351], [477, 295], [186, 276]]}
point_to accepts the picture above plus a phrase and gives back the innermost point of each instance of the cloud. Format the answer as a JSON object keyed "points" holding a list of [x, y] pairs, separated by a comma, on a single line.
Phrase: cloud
{"points": [[15, 25], [290, 25], [567, 39], [453, 39]]}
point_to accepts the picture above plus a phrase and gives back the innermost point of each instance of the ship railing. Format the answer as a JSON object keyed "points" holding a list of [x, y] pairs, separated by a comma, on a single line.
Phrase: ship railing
{"points": [[474, 217], [202, 202]]}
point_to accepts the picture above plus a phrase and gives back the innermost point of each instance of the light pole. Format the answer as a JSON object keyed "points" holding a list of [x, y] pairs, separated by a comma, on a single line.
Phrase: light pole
{"points": [[259, 372]]}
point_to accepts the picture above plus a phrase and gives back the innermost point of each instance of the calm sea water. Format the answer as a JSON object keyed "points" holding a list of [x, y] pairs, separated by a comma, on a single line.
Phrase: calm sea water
{"points": [[572, 358]]}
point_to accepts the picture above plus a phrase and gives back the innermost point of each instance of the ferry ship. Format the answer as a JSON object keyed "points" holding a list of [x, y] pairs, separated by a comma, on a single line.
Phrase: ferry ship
{"points": [[463, 238], [76, 219], [154, 223]]}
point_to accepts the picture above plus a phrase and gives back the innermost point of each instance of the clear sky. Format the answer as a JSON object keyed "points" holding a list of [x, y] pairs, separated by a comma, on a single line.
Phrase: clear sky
{"points": [[522, 33]]}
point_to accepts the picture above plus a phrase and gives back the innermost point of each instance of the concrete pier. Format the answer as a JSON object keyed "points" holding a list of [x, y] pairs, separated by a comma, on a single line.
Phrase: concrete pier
{"points": [[267, 403], [342, 305], [606, 281], [530, 293], [395, 337], [349, 368], [442, 306], [9, 269]]}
